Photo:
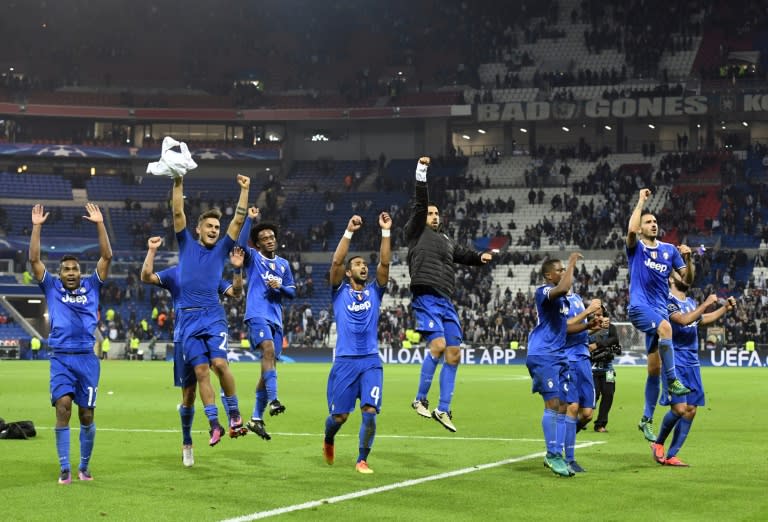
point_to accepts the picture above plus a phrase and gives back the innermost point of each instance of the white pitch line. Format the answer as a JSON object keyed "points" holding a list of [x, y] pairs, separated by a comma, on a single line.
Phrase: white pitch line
{"points": [[390, 487], [285, 434]]}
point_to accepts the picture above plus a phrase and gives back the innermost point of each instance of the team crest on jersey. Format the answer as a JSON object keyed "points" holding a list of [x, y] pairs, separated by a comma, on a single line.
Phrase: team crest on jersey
{"points": [[261, 333], [431, 324], [272, 266], [550, 384], [666, 255], [654, 254]]}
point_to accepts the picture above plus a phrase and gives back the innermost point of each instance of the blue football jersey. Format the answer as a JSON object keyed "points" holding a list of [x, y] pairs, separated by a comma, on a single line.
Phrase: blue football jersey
{"points": [[548, 336], [73, 315], [169, 279], [576, 343], [649, 272], [357, 318], [263, 301], [685, 338], [200, 269]]}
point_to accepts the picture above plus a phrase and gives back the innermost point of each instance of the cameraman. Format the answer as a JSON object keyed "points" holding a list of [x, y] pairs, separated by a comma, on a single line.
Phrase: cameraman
{"points": [[603, 346]]}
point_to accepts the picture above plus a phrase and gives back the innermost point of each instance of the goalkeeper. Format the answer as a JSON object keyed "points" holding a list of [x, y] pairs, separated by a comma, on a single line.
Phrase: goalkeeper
{"points": [[604, 346]]}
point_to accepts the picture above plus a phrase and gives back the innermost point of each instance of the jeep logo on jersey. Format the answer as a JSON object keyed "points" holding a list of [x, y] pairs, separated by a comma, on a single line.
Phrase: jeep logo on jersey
{"points": [[74, 299], [655, 266], [357, 307], [272, 277]]}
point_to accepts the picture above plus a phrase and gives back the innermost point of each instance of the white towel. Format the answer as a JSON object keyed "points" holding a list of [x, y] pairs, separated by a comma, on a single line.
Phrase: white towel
{"points": [[172, 163]]}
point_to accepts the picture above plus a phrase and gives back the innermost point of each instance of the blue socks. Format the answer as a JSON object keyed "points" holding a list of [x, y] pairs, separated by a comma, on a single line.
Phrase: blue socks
{"points": [[212, 413], [549, 426], [560, 432], [667, 353], [652, 389], [187, 414], [570, 438], [331, 428], [681, 433], [62, 446], [260, 405], [87, 438], [270, 383], [367, 434], [428, 368], [447, 384]]}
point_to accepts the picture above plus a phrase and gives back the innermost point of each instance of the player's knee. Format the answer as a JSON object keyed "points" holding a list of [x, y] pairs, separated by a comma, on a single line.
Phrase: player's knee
{"points": [[453, 355], [368, 409], [585, 415], [86, 416], [437, 346], [664, 330], [680, 409], [572, 409], [341, 418]]}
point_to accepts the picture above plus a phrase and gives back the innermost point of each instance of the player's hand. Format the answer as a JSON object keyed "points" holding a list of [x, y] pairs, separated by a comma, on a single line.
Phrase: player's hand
{"points": [[273, 283], [421, 169], [594, 306], [236, 257], [355, 222], [385, 222], [94, 213], [574, 257], [710, 300], [39, 215], [486, 257], [243, 181], [154, 242], [684, 250], [253, 212], [731, 303], [644, 195]]}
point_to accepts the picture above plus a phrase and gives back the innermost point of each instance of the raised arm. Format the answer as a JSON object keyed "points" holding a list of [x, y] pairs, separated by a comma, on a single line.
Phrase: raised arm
{"points": [[177, 205], [685, 319], [105, 249], [567, 280], [148, 274], [385, 250], [245, 231], [634, 219], [418, 218], [338, 268], [688, 273], [236, 258], [38, 218], [576, 323], [233, 231], [711, 317]]}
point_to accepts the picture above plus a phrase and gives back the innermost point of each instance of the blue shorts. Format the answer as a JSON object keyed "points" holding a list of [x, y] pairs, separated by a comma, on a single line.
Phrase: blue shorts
{"points": [[354, 378], [550, 375], [203, 334], [691, 377], [77, 375], [183, 374], [647, 320], [260, 330], [436, 317], [581, 388]]}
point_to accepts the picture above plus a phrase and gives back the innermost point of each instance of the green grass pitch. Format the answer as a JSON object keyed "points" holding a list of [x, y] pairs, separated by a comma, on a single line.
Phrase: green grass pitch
{"points": [[491, 469]]}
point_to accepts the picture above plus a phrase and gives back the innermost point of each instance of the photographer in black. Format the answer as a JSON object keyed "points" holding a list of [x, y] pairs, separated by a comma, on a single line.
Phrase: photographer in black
{"points": [[603, 346]]}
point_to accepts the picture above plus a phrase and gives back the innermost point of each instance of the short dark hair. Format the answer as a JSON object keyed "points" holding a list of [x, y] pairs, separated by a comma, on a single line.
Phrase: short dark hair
{"points": [[349, 261], [210, 213], [433, 204], [266, 225], [647, 211], [68, 257], [546, 266]]}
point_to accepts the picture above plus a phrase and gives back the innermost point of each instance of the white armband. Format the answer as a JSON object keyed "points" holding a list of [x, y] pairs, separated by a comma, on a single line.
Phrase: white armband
{"points": [[385, 232], [421, 172], [348, 234]]}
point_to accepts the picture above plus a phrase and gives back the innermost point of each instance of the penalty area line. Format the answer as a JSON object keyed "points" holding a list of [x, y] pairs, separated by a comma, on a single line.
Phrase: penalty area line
{"points": [[390, 487]]}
